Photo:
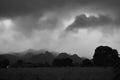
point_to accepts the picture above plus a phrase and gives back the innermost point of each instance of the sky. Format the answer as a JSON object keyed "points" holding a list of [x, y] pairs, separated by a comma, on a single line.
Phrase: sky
{"points": [[73, 26]]}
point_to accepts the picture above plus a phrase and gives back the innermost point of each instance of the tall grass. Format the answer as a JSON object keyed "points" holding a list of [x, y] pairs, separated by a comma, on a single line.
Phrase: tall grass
{"points": [[67, 73]]}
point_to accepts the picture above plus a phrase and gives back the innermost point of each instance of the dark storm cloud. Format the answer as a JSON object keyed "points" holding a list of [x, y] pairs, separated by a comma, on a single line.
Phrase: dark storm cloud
{"points": [[22, 7], [83, 21]]}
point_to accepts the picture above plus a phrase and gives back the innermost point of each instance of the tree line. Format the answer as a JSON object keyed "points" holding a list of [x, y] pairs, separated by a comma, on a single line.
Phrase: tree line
{"points": [[104, 56]]}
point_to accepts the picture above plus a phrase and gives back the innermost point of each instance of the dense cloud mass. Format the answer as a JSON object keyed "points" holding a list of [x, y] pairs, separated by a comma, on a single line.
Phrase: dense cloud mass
{"points": [[83, 21], [40, 23], [29, 11]]}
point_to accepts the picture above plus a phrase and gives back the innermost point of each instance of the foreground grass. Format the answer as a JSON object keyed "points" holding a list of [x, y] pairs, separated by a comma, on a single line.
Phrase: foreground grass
{"points": [[75, 73]]}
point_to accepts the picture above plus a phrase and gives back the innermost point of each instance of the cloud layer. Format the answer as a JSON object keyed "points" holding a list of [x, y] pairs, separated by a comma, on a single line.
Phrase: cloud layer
{"points": [[38, 7], [32, 15]]}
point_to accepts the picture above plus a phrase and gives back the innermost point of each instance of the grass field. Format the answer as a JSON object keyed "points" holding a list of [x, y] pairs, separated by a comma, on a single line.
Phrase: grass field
{"points": [[57, 74]]}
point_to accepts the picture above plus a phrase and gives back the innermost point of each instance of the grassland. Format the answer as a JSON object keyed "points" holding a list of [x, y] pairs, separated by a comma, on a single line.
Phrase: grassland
{"points": [[67, 73]]}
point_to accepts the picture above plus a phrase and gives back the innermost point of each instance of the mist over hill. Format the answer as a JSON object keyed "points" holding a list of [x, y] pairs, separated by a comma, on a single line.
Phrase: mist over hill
{"points": [[39, 56], [103, 56]]}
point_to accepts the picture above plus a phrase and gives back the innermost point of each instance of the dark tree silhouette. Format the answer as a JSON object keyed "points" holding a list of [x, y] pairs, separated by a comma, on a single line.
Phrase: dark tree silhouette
{"points": [[62, 62], [46, 64], [19, 63], [4, 63], [105, 56], [87, 63], [116, 70]]}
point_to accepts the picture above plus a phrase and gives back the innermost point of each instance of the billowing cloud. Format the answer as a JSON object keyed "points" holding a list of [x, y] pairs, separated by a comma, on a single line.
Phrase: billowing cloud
{"points": [[84, 21], [29, 24]]}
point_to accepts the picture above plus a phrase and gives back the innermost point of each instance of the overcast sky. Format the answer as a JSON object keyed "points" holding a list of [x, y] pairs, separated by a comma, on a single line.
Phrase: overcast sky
{"points": [[73, 26]]}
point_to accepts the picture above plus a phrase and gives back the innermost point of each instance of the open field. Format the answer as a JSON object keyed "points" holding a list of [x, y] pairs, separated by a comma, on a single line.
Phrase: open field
{"points": [[67, 73]]}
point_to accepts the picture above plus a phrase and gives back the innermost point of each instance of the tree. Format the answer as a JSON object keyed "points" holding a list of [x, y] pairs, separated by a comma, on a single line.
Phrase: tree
{"points": [[87, 63], [105, 56], [62, 62], [4, 63], [19, 63]]}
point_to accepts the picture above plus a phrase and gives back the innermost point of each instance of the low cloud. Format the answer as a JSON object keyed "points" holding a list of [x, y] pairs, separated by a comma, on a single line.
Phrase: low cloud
{"points": [[29, 25], [13, 8]]}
